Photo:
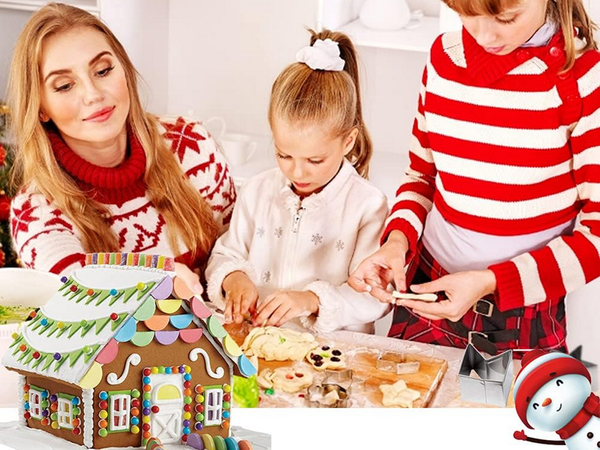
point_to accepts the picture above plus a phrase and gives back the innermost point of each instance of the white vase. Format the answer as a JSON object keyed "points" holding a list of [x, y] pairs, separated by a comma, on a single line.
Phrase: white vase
{"points": [[385, 15]]}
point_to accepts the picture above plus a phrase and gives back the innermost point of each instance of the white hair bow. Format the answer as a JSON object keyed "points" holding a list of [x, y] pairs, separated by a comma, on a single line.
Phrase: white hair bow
{"points": [[322, 55]]}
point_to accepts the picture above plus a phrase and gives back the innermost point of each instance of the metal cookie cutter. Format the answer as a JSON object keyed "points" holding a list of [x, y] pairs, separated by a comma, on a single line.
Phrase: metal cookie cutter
{"points": [[333, 392], [493, 379], [396, 363]]}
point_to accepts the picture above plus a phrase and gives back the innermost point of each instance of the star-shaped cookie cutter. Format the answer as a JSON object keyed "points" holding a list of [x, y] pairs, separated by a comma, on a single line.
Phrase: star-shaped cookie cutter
{"points": [[333, 392], [493, 379]]}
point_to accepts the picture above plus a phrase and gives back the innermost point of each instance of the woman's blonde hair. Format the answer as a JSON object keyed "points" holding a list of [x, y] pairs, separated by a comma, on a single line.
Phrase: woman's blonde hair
{"points": [[569, 14], [303, 95], [189, 217]]}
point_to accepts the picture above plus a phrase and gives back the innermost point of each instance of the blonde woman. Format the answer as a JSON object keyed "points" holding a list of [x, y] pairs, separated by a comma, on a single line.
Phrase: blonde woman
{"points": [[98, 173]]}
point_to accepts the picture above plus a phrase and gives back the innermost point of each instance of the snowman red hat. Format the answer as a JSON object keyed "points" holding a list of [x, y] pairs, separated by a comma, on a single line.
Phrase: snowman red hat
{"points": [[538, 368]]}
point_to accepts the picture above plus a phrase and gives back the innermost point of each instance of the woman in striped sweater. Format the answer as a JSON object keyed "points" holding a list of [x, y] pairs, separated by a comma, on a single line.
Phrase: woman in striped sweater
{"points": [[499, 210]]}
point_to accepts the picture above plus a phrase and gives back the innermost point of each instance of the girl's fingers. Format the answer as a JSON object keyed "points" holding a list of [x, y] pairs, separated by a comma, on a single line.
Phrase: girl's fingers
{"points": [[287, 317], [237, 310], [268, 299], [278, 314], [266, 312], [228, 309]]}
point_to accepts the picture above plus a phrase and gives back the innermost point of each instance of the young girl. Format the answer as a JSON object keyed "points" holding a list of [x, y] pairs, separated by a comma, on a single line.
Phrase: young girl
{"points": [[98, 173], [504, 161], [298, 231]]}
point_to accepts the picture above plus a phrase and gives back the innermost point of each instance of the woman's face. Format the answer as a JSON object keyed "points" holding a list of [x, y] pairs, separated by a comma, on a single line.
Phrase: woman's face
{"points": [[84, 90], [309, 156], [509, 30]]}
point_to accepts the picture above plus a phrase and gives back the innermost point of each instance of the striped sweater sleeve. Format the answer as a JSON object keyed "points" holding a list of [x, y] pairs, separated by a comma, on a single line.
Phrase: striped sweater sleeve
{"points": [[567, 262], [43, 237], [414, 197]]}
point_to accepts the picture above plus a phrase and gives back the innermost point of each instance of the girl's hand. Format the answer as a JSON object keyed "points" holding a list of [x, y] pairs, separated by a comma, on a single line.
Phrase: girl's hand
{"points": [[463, 290], [241, 295], [191, 279], [383, 267], [279, 307]]}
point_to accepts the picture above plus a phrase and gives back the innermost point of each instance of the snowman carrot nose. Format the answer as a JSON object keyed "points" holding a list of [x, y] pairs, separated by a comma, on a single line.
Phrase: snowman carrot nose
{"points": [[547, 402]]}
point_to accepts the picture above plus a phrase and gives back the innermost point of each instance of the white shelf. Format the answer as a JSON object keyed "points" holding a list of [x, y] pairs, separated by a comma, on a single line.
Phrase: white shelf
{"points": [[418, 39]]}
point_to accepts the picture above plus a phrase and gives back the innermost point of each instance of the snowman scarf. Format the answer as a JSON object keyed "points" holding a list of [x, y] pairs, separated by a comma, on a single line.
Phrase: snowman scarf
{"points": [[591, 407]]}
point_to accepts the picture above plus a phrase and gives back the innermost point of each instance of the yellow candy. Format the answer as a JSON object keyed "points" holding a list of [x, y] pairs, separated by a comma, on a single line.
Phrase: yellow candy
{"points": [[135, 429], [187, 416], [55, 425], [103, 414], [226, 388], [141, 286], [60, 325]]}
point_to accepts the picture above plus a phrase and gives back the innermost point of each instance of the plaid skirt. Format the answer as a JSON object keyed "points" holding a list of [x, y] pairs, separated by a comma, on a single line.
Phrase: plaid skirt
{"points": [[485, 326]]}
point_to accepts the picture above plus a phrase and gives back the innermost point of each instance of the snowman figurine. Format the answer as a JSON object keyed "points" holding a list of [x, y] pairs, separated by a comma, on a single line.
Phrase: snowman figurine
{"points": [[553, 392]]}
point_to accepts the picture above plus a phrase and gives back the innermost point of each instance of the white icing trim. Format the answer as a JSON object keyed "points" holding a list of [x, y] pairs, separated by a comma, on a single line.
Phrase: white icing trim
{"points": [[134, 359], [115, 266], [194, 357], [20, 385], [217, 345], [87, 397]]}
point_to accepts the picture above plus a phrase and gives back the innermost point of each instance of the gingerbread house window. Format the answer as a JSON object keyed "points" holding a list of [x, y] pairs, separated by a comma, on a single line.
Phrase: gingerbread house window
{"points": [[213, 406], [65, 413], [120, 410], [35, 403]]}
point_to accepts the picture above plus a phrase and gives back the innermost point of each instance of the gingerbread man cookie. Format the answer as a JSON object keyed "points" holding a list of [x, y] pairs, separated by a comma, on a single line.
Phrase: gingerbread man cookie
{"points": [[398, 394], [287, 379], [326, 358]]}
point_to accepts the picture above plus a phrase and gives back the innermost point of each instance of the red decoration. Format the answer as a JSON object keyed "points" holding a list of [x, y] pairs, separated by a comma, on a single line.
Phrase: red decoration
{"points": [[4, 207], [103, 404], [2, 155], [135, 403], [36, 355], [187, 408], [114, 316], [27, 415], [73, 288], [155, 409], [76, 431], [146, 427], [2, 258], [182, 137], [147, 372]]}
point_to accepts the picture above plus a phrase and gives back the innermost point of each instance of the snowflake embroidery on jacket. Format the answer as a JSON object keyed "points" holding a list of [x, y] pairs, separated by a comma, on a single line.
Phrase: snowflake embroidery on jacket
{"points": [[260, 232], [266, 276], [278, 232], [317, 239], [339, 245]]}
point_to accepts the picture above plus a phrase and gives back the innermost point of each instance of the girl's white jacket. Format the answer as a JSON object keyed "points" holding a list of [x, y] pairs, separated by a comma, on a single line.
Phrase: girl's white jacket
{"points": [[283, 243]]}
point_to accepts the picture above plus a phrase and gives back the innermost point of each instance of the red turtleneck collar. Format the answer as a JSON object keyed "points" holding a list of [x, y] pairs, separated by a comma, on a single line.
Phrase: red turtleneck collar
{"points": [[486, 68], [110, 185], [591, 407]]}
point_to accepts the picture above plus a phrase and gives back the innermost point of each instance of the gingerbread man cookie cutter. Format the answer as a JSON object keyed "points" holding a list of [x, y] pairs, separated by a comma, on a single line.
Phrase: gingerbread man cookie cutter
{"points": [[333, 392]]}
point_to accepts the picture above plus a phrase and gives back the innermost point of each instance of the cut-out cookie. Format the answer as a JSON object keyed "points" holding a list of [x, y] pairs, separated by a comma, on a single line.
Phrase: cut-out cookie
{"points": [[326, 358], [398, 394], [278, 344], [287, 379]]}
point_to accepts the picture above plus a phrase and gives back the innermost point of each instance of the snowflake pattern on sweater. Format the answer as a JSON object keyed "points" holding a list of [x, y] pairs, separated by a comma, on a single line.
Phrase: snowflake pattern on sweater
{"points": [[46, 239]]}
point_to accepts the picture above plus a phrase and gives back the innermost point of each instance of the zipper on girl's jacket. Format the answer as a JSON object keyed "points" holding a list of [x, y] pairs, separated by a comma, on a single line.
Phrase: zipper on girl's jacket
{"points": [[296, 219]]}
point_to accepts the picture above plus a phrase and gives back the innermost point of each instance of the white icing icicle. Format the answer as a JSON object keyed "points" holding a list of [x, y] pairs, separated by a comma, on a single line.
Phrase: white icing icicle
{"points": [[194, 357], [87, 396], [133, 360]]}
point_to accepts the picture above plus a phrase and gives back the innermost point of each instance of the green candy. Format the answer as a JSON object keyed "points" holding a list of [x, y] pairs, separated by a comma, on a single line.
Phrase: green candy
{"points": [[245, 391]]}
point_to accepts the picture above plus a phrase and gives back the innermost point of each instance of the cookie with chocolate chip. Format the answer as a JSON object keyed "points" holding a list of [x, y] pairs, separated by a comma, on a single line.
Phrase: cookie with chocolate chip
{"points": [[326, 358]]}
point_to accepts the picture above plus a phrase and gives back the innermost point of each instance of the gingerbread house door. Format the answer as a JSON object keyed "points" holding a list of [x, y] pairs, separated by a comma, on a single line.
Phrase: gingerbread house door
{"points": [[167, 409]]}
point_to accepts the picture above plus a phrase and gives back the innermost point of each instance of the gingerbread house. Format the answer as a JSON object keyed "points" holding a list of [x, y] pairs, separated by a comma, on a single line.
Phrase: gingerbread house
{"points": [[124, 352]]}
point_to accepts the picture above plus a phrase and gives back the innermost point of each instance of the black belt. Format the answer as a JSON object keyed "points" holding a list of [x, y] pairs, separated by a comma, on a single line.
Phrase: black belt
{"points": [[486, 340]]}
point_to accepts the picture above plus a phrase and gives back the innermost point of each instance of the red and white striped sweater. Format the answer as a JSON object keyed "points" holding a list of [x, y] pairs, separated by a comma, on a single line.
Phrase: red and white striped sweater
{"points": [[507, 146], [46, 239]]}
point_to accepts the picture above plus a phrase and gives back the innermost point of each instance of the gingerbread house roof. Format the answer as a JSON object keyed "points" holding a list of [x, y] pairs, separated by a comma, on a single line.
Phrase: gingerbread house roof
{"points": [[99, 306]]}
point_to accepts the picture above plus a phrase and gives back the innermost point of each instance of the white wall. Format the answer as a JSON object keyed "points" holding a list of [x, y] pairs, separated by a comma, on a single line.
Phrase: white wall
{"points": [[11, 24], [224, 56]]}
